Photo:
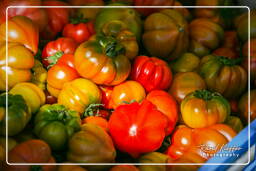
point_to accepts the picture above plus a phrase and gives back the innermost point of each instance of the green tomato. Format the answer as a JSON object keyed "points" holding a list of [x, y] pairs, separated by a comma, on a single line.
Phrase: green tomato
{"points": [[55, 124]]}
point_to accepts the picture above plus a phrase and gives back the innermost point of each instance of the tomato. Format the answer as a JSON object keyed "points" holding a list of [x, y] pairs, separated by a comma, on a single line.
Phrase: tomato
{"points": [[200, 142], [124, 168], [39, 75], [32, 94], [126, 92], [227, 52], [205, 36], [88, 13], [55, 49], [21, 30], [18, 114], [137, 128], [97, 120], [234, 106], [154, 157], [49, 99], [231, 40], [223, 75], [91, 145], [58, 18], [243, 106], [106, 92], [235, 123], [202, 108], [126, 17], [80, 32], [166, 34], [152, 73], [185, 83], [241, 24], [185, 63], [79, 94], [102, 60], [61, 73], [251, 58], [166, 104], [55, 124], [148, 11], [37, 15], [31, 151], [20, 61]]}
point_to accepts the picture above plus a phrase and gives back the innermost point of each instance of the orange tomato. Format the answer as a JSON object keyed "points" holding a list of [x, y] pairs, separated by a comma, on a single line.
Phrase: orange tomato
{"points": [[97, 120], [126, 92]]}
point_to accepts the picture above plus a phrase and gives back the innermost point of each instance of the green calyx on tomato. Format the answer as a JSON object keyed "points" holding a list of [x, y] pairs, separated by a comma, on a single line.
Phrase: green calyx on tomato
{"points": [[78, 19], [18, 114], [205, 94], [229, 62], [54, 58], [55, 124], [110, 46], [92, 110]]}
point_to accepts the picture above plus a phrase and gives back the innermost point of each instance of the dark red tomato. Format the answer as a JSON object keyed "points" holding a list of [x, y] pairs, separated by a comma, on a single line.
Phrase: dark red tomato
{"points": [[49, 98], [61, 73], [137, 128], [152, 73], [54, 50], [79, 32], [106, 96], [37, 15], [148, 11], [234, 106], [57, 18]]}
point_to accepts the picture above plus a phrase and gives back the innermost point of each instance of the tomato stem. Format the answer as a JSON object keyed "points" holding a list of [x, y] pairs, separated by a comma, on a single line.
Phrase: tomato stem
{"points": [[92, 110], [78, 19]]}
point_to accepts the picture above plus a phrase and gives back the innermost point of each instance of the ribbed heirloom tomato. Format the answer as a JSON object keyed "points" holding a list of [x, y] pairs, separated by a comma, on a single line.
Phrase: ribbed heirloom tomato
{"points": [[137, 128], [152, 73], [21, 30], [202, 108], [60, 73], [165, 103], [62, 45], [200, 142]]}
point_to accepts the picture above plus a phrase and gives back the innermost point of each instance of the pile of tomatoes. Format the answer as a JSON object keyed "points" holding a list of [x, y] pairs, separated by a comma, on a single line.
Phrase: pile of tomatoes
{"points": [[122, 85]]}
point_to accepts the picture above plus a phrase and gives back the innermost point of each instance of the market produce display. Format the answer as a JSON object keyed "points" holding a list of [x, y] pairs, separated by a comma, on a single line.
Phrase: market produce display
{"points": [[122, 85]]}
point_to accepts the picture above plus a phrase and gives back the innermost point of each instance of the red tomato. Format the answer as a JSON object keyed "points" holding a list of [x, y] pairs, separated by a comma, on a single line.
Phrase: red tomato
{"points": [[152, 73], [63, 44], [79, 32], [57, 18], [37, 15], [166, 104], [61, 73], [106, 96], [137, 128], [49, 98]]}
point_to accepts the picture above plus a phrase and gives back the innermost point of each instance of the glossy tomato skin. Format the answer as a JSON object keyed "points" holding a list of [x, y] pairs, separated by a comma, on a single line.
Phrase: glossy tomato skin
{"points": [[79, 32], [152, 73], [167, 105], [106, 92], [132, 127], [197, 141], [63, 45], [37, 15], [202, 108], [100, 67], [57, 18], [185, 63], [78, 94], [61, 73], [185, 83], [21, 30], [20, 61], [126, 92]]}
